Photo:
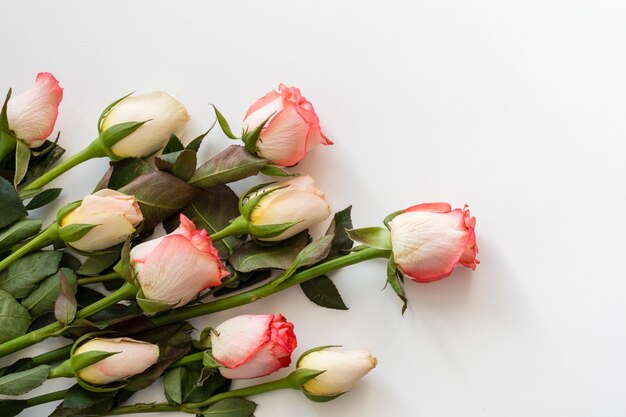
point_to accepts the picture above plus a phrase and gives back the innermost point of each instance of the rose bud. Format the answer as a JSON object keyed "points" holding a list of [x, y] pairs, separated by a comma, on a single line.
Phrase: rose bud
{"points": [[292, 130], [33, 113], [429, 240], [300, 202], [114, 214], [252, 345], [342, 369], [132, 358], [163, 114], [175, 268]]}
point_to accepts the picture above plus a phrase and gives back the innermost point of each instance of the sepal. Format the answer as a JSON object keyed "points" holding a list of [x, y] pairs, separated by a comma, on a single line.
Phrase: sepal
{"points": [[375, 237]]}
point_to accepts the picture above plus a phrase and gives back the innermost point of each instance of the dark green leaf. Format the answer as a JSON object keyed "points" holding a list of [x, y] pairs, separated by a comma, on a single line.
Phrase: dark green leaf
{"points": [[14, 318], [11, 408], [22, 157], [212, 210], [314, 251], [17, 366], [173, 145], [18, 232], [186, 384], [11, 206], [323, 292], [230, 165], [65, 305], [24, 275], [70, 261], [126, 170], [181, 164], [251, 256], [80, 402], [42, 300], [94, 265], [341, 242], [21, 382], [375, 237], [43, 198], [194, 145], [224, 124], [43, 162], [160, 195], [231, 407]]}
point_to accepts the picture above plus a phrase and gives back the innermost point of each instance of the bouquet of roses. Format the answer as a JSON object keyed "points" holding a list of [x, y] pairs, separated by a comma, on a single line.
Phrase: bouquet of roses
{"points": [[220, 251]]}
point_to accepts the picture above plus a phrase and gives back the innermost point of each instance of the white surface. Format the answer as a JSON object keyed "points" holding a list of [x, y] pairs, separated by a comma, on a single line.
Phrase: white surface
{"points": [[514, 107]]}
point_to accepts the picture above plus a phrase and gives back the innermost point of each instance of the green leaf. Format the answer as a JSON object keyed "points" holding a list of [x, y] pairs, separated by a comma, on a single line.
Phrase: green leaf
{"points": [[126, 170], [80, 402], [173, 384], [22, 157], [224, 124], [14, 318], [74, 232], [375, 237], [251, 256], [11, 408], [160, 195], [94, 265], [212, 210], [43, 198], [173, 145], [18, 232], [323, 292], [21, 382], [394, 279], [314, 251], [339, 226], [186, 384], [11, 206], [42, 300], [230, 165], [181, 164], [24, 275], [194, 145], [65, 305], [42, 162], [231, 407], [276, 171], [4, 120]]}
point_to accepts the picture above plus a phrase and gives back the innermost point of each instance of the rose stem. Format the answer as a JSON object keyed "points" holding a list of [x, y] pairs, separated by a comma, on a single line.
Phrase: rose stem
{"points": [[43, 239], [100, 278]]}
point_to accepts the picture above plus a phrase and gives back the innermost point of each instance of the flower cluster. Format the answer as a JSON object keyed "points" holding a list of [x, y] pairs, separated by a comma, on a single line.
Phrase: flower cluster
{"points": [[215, 243]]}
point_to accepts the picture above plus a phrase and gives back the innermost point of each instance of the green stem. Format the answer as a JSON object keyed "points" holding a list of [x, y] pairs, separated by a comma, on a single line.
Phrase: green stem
{"points": [[263, 291], [100, 278], [186, 360], [55, 329], [46, 398], [64, 370], [194, 408], [42, 240], [94, 150], [237, 227]]}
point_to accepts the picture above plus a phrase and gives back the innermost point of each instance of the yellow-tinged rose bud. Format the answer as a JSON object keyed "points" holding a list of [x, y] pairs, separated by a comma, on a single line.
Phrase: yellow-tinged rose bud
{"points": [[343, 369], [163, 114], [114, 214], [132, 358]]}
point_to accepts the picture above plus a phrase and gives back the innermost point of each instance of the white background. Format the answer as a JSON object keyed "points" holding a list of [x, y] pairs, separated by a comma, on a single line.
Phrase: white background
{"points": [[516, 108]]}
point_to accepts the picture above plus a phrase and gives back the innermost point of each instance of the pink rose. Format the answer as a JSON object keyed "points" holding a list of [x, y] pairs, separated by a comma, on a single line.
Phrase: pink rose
{"points": [[33, 113], [251, 346], [175, 268], [429, 240], [293, 129]]}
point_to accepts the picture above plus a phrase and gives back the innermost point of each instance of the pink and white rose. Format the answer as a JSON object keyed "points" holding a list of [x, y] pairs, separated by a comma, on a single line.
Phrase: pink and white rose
{"points": [[300, 202], [175, 268], [33, 113], [429, 240], [132, 357], [251, 346], [115, 215], [291, 132]]}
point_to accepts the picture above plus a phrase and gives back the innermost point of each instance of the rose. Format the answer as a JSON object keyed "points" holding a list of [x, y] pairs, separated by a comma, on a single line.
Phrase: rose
{"points": [[163, 114], [300, 202], [342, 369], [33, 113], [251, 346], [429, 240], [175, 268], [114, 214], [292, 130], [132, 358]]}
